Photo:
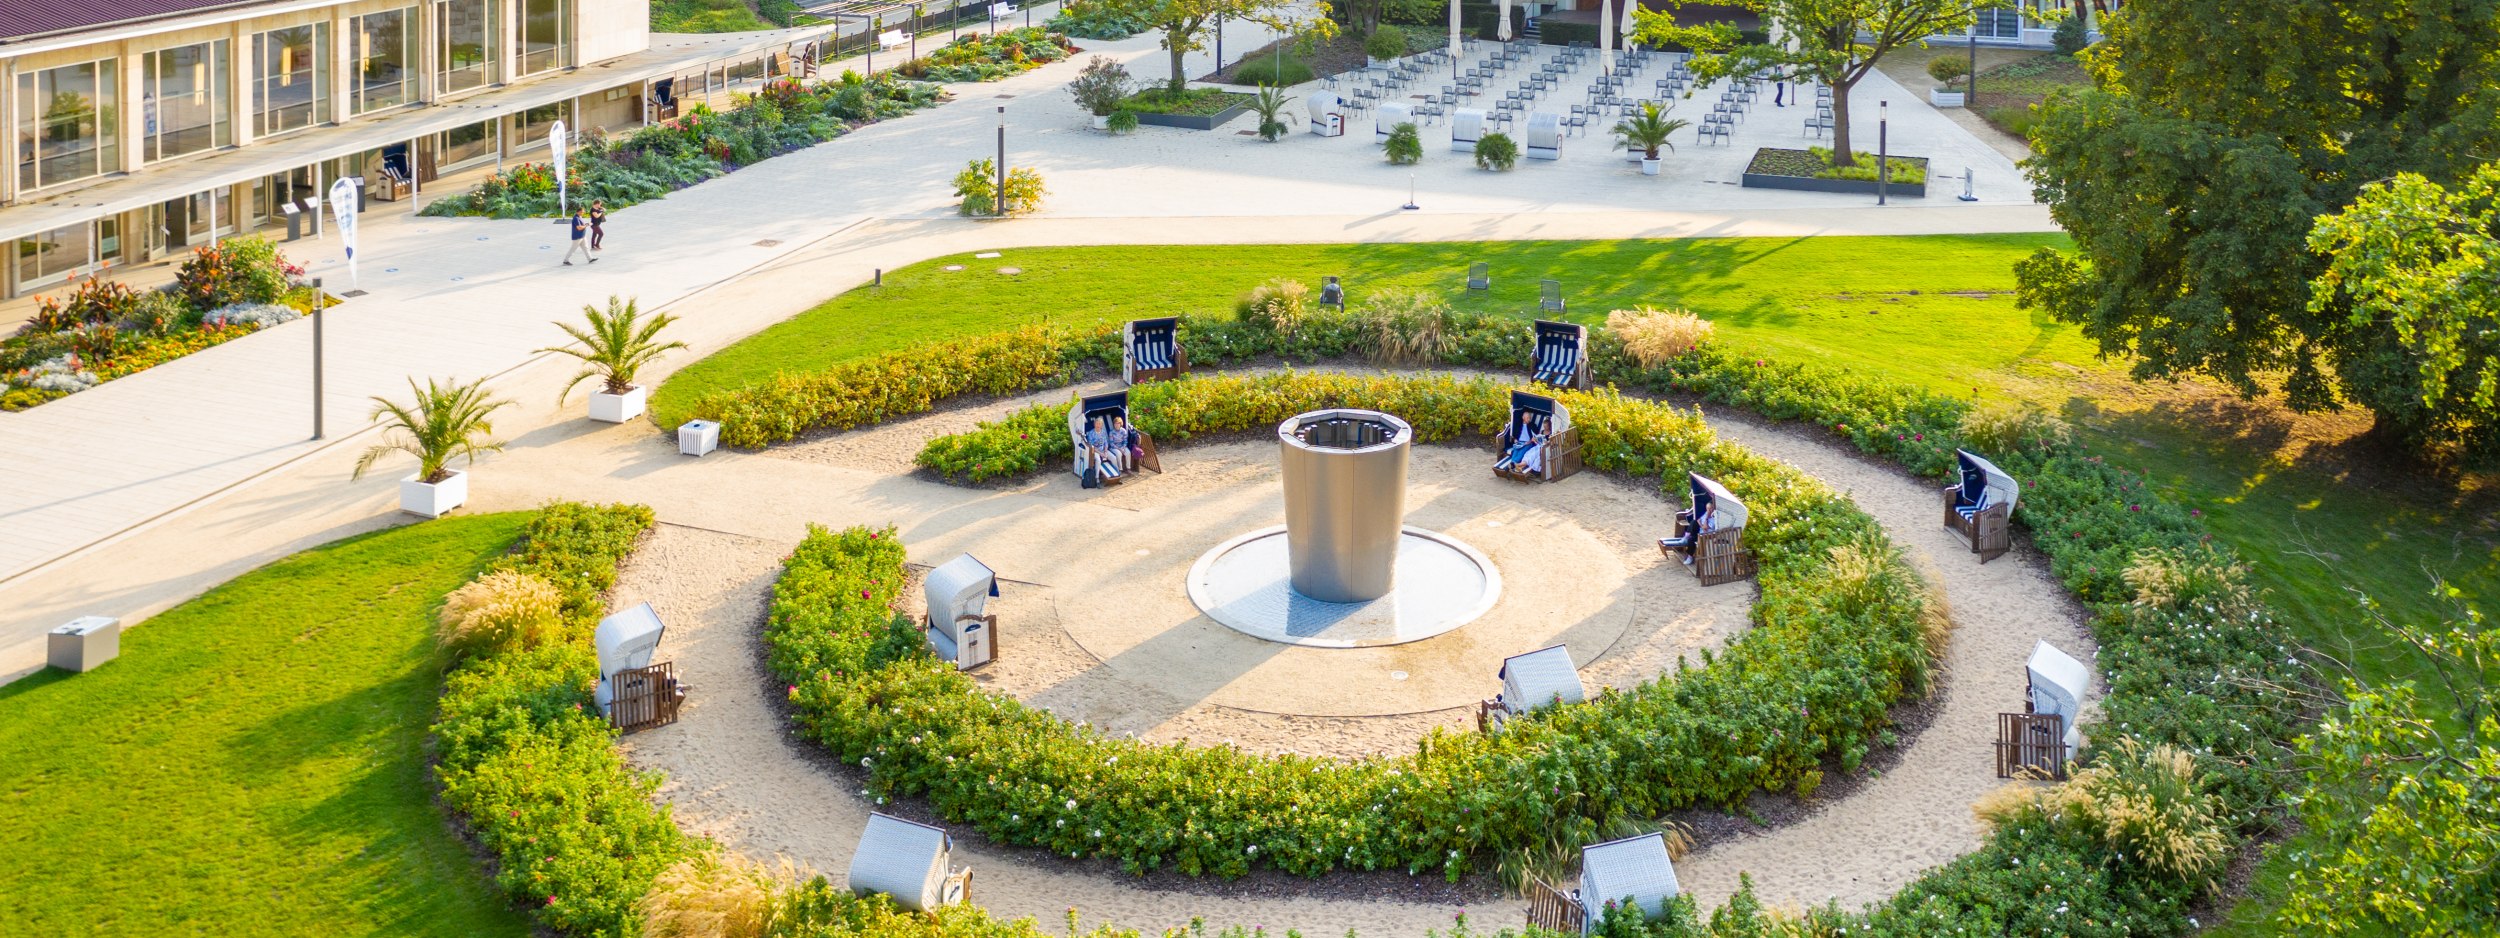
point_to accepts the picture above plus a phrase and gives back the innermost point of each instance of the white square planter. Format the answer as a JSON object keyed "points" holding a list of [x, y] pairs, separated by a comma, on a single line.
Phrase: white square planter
{"points": [[434, 500], [618, 408], [1942, 98], [698, 437]]}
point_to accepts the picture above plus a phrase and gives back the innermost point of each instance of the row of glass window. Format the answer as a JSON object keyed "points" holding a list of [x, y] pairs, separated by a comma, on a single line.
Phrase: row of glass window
{"points": [[68, 120]]}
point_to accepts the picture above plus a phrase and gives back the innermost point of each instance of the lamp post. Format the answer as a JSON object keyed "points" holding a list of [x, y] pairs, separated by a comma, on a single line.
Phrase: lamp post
{"points": [[875, 23], [999, 206], [916, 13], [1219, 45], [1883, 150], [321, 300]]}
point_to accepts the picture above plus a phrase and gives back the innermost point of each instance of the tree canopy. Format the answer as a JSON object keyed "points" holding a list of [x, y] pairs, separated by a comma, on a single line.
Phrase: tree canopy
{"points": [[1184, 23], [1814, 41], [2217, 135]]}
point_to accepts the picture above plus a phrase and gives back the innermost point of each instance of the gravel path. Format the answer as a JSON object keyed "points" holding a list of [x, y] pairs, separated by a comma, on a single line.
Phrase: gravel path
{"points": [[735, 773]]}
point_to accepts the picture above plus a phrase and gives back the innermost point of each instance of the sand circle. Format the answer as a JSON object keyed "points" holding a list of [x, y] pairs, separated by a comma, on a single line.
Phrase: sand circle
{"points": [[1246, 584]]}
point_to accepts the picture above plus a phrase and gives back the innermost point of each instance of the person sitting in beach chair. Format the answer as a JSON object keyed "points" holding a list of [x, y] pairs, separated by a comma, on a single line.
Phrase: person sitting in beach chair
{"points": [[1710, 534], [1107, 459], [1108, 449], [1539, 444]]}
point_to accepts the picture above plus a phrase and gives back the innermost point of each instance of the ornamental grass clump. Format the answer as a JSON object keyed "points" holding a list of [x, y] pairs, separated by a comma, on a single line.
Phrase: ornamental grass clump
{"points": [[505, 610], [1653, 337], [2000, 427], [1279, 307], [2145, 803], [1404, 328], [716, 894]]}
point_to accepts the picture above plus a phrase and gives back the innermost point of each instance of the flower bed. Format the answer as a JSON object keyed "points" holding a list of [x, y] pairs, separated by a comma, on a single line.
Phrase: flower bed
{"points": [[1812, 170], [104, 330], [783, 116], [977, 57], [2193, 660], [1837, 639], [1097, 20], [1192, 102], [530, 766]]}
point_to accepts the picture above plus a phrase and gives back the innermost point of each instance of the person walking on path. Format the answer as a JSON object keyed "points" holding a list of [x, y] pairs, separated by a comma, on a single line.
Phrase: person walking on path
{"points": [[598, 224], [1779, 97], [581, 241]]}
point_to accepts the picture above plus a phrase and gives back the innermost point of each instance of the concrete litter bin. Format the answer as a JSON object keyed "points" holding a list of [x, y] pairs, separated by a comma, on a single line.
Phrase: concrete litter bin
{"points": [[84, 644]]}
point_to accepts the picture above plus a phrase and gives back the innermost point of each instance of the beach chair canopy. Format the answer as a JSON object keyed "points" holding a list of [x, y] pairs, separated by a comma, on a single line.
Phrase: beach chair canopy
{"points": [[957, 588], [627, 639], [2057, 685], [1322, 104], [1996, 486], [1152, 342], [1390, 115], [1541, 677], [1634, 868], [1708, 491], [1523, 404], [902, 859], [1466, 127], [1558, 350], [1544, 131], [1114, 404]]}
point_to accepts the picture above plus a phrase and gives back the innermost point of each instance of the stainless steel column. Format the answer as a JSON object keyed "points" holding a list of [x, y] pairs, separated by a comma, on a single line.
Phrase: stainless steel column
{"points": [[1345, 501]]}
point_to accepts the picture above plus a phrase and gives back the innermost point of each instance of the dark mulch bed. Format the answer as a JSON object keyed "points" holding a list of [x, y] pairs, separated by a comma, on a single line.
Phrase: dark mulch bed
{"points": [[1342, 54], [1773, 161]]}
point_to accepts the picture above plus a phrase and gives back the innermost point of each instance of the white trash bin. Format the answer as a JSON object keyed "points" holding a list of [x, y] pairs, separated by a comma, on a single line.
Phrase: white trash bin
{"points": [[698, 437]]}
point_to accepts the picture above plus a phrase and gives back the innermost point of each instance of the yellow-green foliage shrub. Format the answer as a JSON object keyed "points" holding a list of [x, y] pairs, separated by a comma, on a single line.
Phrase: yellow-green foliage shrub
{"points": [[2143, 802], [714, 894]]}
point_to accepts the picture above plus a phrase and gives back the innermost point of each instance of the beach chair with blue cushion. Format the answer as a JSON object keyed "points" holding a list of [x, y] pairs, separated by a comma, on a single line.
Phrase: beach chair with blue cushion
{"points": [[1151, 350], [1719, 555], [1559, 455], [910, 862], [1980, 508], [1121, 466], [1532, 681], [1561, 359]]}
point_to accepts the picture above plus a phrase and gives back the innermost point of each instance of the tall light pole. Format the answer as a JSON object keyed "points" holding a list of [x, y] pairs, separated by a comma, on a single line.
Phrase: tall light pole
{"points": [[875, 23], [1000, 205], [321, 300], [1883, 150], [1972, 99]]}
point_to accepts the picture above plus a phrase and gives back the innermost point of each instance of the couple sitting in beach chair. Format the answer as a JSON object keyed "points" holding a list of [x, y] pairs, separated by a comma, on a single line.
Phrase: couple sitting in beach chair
{"points": [[1107, 448], [1710, 535], [1539, 444]]}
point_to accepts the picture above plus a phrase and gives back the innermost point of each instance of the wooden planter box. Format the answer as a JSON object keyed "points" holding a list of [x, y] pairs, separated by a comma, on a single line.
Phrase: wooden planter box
{"points": [[1192, 121], [1754, 180]]}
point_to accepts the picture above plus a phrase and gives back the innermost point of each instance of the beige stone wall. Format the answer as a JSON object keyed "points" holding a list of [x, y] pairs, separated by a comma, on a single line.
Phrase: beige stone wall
{"points": [[606, 29]]}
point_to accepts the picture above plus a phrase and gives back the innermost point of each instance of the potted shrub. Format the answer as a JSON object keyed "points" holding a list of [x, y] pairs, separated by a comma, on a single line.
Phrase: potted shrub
{"points": [[1270, 101], [1947, 70], [1384, 44], [1497, 151], [612, 346], [1646, 132], [444, 421], [1100, 88], [1405, 146]]}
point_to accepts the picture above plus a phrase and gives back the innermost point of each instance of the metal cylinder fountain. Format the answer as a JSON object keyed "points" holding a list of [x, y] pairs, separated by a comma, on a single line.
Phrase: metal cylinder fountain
{"points": [[1344, 570], [1345, 501]]}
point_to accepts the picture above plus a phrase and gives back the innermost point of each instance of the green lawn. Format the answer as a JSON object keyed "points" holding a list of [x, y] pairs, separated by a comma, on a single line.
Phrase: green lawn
{"points": [[2317, 515], [254, 763], [706, 16]]}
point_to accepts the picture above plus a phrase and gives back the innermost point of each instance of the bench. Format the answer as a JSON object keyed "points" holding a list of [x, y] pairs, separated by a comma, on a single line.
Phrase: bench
{"points": [[892, 38]]}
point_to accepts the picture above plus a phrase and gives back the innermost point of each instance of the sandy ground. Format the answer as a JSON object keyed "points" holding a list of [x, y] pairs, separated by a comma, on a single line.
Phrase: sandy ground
{"points": [[734, 772]]}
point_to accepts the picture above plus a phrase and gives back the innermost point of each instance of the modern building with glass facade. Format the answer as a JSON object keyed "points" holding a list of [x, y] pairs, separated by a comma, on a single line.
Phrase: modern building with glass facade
{"points": [[140, 128]]}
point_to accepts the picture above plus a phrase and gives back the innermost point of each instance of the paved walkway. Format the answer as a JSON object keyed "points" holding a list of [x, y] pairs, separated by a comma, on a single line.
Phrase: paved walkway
{"points": [[131, 497]]}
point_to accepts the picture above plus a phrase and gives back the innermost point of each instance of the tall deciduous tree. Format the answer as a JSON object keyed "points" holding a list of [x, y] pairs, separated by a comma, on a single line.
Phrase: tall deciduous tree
{"points": [[1827, 42], [2218, 132], [1184, 23]]}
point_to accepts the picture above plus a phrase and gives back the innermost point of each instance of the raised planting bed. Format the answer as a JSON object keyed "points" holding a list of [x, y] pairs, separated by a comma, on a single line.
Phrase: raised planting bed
{"points": [[1192, 109], [1812, 171]]}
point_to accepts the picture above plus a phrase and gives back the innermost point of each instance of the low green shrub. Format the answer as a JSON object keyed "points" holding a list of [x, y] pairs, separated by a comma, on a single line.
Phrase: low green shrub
{"points": [[1273, 70], [1385, 42], [1812, 680], [2069, 37], [1189, 102], [1100, 19], [990, 57], [1010, 448], [1122, 121], [1946, 69], [1405, 146], [1497, 151], [977, 188], [528, 763], [898, 384]]}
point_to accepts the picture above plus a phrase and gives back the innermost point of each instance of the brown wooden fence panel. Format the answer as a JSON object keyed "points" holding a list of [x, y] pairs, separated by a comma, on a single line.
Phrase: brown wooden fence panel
{"points": [[2031, 745], [645, 697], [1552, 908]]}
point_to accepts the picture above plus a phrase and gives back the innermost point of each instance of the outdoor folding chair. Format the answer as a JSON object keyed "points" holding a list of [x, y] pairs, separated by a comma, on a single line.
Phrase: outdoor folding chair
{"points": [[1549, 296], [1480, 276]]}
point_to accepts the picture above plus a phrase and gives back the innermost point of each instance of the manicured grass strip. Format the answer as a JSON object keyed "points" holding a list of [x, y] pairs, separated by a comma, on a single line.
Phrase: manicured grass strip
{"points": [[254, 763], [1935, 311]]}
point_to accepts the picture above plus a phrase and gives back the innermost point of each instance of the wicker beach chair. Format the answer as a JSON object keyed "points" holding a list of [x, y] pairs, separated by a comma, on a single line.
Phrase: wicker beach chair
{"points": [[959, 626], [1531, 681], [909, 861], [1719, 555], [1151, 350], [1561, 358], [1557, 458], [1980, 508]]}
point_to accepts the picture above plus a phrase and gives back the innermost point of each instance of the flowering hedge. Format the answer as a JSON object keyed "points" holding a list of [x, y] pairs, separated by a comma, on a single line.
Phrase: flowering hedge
{"points": [[528, 763], [783, 116], [104, 329], [872, 390], [979, 57], [1830, 651]]}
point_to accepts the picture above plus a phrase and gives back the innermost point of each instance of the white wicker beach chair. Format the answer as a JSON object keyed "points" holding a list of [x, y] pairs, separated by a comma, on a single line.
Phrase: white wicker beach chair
{"points": [[910, 862]]}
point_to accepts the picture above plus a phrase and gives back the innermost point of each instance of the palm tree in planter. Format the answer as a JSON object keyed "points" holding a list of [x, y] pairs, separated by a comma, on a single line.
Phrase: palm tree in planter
{"points": [[612, 346], [1645, 132], [444, 421]]}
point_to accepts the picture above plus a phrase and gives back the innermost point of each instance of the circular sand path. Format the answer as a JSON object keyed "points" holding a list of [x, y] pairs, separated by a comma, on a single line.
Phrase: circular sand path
{"points": [[735, 773]]}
